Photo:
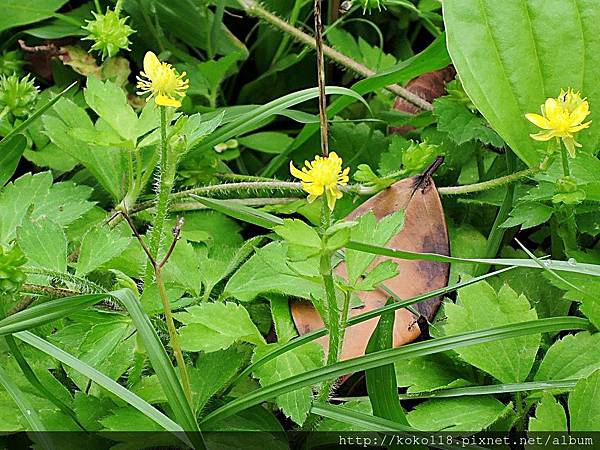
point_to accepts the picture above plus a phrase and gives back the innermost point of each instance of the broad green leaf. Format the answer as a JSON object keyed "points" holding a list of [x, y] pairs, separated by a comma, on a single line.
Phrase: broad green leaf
{"points": [[360, 50], [267, 271], [432, 372], [64, 203], [549, 415], [371, 231], [528, 215], [567, 359], [99, 245], [457, 414], [44, 243], [128, 419], [584, 404], [215, 326], [465, 242], [294, 404], [266, 141], [109, 101], [213, 371], [303, 241], [17, 197], [18, 13], [382, 271], [11, 150], [514, 54], [363, 406], [480, 306]]}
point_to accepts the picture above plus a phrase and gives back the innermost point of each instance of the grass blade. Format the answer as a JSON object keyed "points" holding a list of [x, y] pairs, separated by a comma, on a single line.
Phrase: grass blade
{"points": [[384, 357], [46, 312], [162, 365], [308, 337], [29, 412], [103, 381], [11, 150]]}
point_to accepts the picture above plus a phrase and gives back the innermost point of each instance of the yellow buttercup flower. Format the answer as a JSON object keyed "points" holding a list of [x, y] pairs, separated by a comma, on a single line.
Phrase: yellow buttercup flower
{"points": [[162, 82], [562, 118], [324, 175]]}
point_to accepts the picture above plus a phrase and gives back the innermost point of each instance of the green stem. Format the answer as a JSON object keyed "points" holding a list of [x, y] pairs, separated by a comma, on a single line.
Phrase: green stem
{"points": [[165, 185], [185, 380], [118, 7], [98, 8], [565, 161], [497, 232], [286, 37], [485, 185]]}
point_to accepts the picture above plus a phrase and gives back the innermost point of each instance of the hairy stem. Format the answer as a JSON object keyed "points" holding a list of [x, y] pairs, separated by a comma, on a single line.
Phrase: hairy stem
{"points": [[185, 380], [254, 9], [321, 80], [165, 185], [485, 185]]}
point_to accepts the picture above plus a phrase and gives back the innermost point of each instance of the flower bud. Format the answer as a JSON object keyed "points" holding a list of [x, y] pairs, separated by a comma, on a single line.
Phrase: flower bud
{"points": [[11, 63], [109, 32], [17, 95]]}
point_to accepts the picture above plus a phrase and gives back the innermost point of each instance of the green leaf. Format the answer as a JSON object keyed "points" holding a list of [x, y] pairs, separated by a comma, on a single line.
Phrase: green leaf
{"points": [[458, 414], [382, 386], [303, 241], [19, 13], [432, 372], [11, 150], [462, 124], [528, 215], [28, 411], [99, 245], [369, 230], [584, 404], [215, 326], [480, 307], [565, 360], [109, 101], [549, 415], [267, 271], [44, 243], [294, 404], [360, 50], [509, 61], [382, 271], [16, 198], [267, 141]]}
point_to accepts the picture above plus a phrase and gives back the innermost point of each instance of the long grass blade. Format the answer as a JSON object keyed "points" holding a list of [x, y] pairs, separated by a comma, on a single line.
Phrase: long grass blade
{"points": [[28, 411], [103, 381], [384, 357]]}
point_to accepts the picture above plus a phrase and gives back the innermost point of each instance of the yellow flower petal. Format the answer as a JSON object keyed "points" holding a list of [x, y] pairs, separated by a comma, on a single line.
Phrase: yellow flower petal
{"points": [[580, 113], [583, 126], [570, 144], [539, 121], [542, 136], [151, 65], [163, 100], [295, 172]]}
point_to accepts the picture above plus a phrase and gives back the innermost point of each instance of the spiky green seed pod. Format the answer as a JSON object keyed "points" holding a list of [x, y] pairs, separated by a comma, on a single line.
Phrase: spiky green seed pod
{"points": [[17, 95], [109, 32], [11, 275], [11, 63], [371, 4]]}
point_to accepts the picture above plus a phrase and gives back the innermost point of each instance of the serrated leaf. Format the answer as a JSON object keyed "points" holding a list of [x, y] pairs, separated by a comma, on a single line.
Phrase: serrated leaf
{"points": [[44, 243], [549, 415], [99, 245], [303, 241], [528, 215], [458, 414], [584, 404], [480, 306], [371, 231], [566, 360], [128, 419], [295, 404], [216, 326], [16, 198], [267, 272], [463, 125], [382, 271], [432, 372]]}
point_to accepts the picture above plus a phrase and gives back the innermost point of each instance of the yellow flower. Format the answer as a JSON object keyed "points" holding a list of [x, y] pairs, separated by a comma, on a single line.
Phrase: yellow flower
{"points": [[161, 81], [562, 118], [322, 176]]}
